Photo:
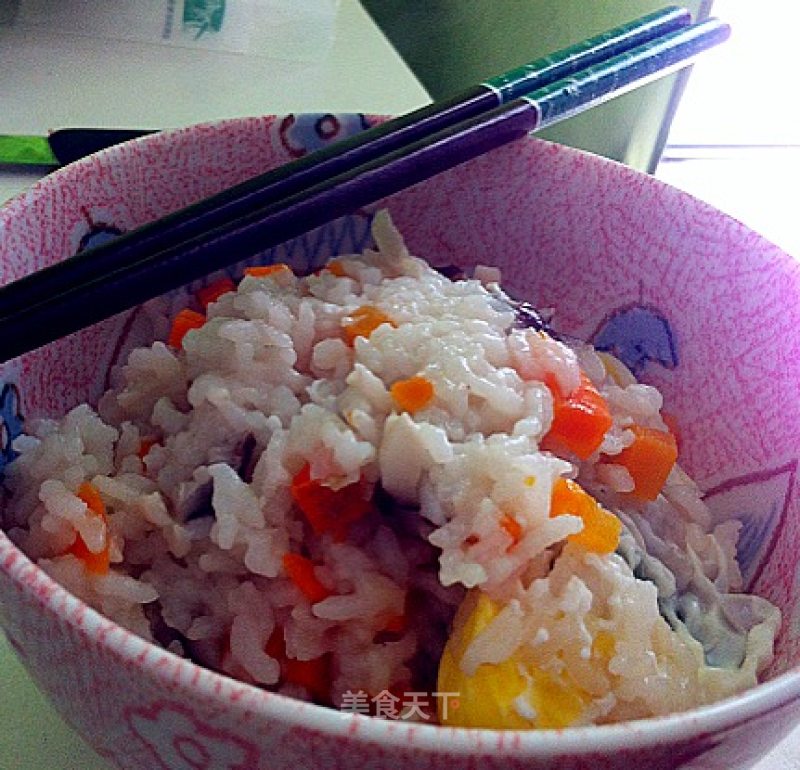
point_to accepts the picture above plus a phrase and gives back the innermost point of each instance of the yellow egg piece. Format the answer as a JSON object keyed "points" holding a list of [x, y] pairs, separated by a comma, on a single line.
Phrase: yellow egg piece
{"points": [[601, 528], [510, 695], [604, 645], [557, 700], [486, 698]]}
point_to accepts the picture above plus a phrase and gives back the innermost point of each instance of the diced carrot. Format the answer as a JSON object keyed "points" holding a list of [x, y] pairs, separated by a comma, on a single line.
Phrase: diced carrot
{"points": [[396, 624], [276, 645], [314, 675], [301, 572], [580, 419], [145, 445], [649, 459], [89, 494], [183, 323], [263, 271], [512, 527], [363, 321], [412, 394], [601, 528], [336, 267], [97, 563], [214, 291], [328, 510]]}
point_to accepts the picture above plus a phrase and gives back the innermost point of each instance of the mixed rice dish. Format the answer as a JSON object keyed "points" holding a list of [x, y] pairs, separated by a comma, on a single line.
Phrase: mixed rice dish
{"points": [[379, 480]]}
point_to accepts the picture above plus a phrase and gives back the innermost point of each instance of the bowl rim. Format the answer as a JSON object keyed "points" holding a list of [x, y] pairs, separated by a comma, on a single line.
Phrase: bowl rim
{"points": [[167, 669], [39, 589]]}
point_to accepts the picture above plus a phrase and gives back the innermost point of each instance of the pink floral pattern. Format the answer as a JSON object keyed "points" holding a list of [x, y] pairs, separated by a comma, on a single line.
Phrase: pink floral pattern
{"points": [[579, 233], [178, 740]]}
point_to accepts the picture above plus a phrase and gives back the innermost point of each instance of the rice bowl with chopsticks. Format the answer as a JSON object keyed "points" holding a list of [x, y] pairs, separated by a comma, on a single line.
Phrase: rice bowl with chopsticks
{"points": [[630, 265], [375, 481]]}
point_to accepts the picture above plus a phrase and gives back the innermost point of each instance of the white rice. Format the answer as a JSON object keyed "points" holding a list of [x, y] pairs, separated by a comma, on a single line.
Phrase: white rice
{"points": [[198, 527]]}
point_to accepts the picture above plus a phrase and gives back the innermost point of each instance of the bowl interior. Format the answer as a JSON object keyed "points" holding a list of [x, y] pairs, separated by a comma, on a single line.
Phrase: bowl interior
{"points": [[690, 299]]}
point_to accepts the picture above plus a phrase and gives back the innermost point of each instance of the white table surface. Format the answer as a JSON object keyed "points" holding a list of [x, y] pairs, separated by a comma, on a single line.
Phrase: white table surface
{"points": [[49, 82], [52, 82]]}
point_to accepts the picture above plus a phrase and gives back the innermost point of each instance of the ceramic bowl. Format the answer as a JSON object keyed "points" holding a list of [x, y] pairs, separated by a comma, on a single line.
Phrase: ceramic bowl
{"points": [[693, 301]]}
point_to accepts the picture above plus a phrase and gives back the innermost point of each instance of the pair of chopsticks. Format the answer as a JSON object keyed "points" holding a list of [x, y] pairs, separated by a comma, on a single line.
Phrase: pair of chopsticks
{"points": [[272, 208]]}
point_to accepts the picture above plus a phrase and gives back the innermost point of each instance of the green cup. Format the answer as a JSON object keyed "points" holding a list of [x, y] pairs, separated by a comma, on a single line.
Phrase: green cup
{"points": [[452, 44]]}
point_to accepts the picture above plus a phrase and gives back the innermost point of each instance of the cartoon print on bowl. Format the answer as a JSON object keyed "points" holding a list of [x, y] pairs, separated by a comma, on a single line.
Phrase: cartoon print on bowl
{"points": [[760, 501], [178, 740], [347, 235], [303, 133], [99, 232], [296, 135], [638, 335], [11, 423], [794, 618]]}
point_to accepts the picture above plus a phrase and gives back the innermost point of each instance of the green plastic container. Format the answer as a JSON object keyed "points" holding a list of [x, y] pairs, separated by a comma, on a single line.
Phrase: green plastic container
{"points": [[452, 44]]}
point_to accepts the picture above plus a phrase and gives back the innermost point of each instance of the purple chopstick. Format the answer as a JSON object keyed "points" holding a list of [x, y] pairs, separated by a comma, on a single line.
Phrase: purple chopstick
{"points": [[336, 159], [323, 202]]}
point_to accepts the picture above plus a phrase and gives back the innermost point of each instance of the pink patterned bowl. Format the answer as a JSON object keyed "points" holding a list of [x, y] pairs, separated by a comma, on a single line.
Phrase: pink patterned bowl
{"points": [[693, 301]]}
